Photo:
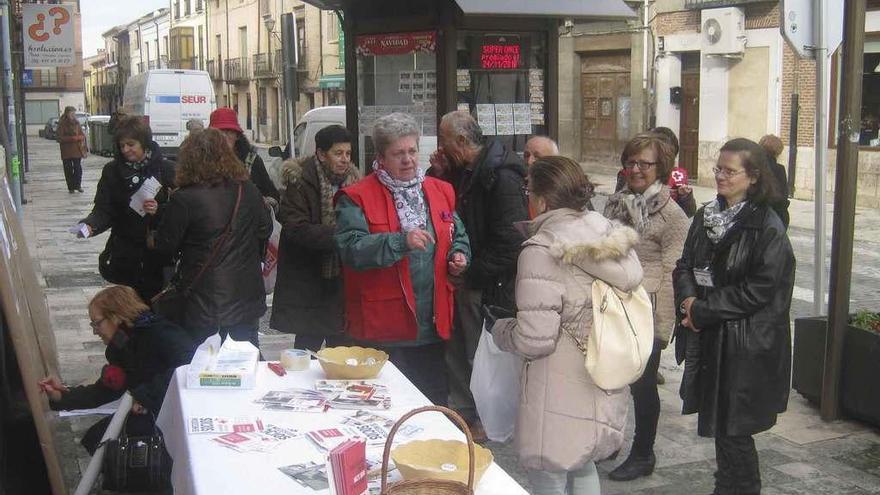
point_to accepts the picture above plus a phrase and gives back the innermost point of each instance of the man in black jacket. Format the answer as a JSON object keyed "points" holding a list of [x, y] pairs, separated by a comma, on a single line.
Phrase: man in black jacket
{"points": [[489, 182]]}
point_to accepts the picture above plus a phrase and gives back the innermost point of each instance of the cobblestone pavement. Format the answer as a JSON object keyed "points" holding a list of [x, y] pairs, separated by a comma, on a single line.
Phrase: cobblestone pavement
{"points": [[801, 455]]}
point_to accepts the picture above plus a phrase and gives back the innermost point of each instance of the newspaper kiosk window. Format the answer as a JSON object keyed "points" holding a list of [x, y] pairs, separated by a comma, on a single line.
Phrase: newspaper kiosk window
{"points": [[500, 80], [397, 72]]}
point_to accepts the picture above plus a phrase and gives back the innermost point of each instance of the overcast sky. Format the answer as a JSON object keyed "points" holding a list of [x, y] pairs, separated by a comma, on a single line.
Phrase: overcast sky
{"points": [[100, 15]]}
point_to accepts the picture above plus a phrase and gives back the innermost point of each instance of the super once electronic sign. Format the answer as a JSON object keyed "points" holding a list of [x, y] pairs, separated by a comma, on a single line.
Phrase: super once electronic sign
{"points": [[500, 56]]}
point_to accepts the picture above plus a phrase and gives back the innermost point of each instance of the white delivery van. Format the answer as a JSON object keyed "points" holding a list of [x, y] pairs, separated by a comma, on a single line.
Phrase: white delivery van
{"points": [[168, 98]]}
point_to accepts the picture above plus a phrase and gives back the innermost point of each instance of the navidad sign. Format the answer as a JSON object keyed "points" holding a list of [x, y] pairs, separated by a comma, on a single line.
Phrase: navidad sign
{"points": [[48, 34]]}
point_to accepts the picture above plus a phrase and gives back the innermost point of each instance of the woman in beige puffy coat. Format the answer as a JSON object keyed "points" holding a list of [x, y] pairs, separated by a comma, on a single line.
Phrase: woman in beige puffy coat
{"points": [[565, 421], [644, 204]]}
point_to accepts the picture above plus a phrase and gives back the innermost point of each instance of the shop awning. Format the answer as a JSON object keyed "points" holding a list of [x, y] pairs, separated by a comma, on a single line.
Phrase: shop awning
{"points": [[333, 81], [603, 9], [578, 9]]}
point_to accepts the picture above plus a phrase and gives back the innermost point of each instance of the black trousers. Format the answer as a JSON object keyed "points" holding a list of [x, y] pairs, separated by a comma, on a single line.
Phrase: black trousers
{"points": [[73, 173], [738, 472], [646, 405], [313, 342], [425, 367]]}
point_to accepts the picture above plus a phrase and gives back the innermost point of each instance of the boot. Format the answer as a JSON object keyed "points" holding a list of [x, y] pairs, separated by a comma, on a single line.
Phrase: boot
{"points": [[634, 467]]}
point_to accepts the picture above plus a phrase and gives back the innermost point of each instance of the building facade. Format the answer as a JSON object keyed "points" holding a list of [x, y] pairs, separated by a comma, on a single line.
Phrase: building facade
{"points": [[48, 90], [188, 33], [244, 40], [604, 87]]}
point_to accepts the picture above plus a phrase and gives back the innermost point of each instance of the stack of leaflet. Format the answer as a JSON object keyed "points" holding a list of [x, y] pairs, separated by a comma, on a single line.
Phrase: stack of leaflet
{"points": [[355, 394], [347, 468]]}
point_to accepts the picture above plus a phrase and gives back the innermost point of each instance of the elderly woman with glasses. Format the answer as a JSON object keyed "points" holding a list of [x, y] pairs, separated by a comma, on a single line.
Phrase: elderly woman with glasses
{"points": [[733, 285], [143, 350], [645, 204], [399, 238]]}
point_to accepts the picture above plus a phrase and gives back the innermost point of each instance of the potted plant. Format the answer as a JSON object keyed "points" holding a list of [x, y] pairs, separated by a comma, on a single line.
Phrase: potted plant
{"points": [[859, 393]]}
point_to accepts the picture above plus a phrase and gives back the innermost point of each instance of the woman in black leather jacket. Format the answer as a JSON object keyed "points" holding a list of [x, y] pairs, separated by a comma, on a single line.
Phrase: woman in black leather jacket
{"points": [[733, 288], [229, 296]]}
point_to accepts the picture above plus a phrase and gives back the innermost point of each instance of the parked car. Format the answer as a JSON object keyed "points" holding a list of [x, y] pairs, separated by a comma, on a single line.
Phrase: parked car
{"points": [[51, 129]]}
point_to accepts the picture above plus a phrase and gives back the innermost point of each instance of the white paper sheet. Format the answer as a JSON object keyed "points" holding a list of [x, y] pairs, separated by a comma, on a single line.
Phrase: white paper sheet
{"points": [[107, 409], [149, 189]]}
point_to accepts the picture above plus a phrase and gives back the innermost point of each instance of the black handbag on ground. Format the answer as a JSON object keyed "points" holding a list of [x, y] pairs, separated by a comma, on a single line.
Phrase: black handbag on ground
{"points": [[171, 302], [136, 463]]}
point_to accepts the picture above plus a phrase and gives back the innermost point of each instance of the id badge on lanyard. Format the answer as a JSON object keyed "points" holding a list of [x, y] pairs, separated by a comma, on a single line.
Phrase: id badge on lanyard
{"points": [[703, 277]]}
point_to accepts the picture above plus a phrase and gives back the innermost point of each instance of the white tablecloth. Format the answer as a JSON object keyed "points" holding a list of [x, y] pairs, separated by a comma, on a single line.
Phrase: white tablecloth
{"points": [[201, 466]]}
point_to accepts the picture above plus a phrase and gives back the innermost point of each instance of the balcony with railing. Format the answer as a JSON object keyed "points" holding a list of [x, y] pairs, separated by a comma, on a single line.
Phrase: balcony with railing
{"points": [[190, 63], [711, 4], [265, 66], [237, 69], [215, 69], [162, 63]]}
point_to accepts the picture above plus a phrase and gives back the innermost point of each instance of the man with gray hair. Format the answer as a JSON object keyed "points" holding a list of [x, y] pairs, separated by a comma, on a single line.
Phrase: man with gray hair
{"points": [[539, 147], [489, 181]]}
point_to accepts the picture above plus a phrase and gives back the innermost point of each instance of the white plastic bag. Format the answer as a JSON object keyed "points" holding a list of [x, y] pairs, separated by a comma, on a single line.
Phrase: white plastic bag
{"points": [[270, 263], [495, 385]]}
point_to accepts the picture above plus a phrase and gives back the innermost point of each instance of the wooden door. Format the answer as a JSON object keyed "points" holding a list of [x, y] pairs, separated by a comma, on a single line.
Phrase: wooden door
{"points": [[605, 94], [689, 133]]}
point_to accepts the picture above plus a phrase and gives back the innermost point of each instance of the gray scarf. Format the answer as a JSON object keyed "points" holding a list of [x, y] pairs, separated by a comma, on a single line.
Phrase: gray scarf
{"points": [[635, 206], [408, 199], [717, 221]]}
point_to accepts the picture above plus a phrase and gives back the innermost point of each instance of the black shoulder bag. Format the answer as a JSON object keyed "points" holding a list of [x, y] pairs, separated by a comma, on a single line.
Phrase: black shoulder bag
{"points": [[171, 302]]}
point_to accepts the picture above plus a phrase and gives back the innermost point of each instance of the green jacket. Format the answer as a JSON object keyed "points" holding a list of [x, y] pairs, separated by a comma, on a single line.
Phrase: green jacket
{"points": [[361, 250]]}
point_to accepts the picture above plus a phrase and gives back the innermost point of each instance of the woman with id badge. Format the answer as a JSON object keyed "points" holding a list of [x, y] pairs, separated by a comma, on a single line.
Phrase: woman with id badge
{"points": [[733, 288]]}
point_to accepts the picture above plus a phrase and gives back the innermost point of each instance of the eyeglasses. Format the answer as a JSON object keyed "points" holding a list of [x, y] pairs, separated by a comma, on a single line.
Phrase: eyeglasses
{"points": [[96, 323], [638, 163], [726, 172]]}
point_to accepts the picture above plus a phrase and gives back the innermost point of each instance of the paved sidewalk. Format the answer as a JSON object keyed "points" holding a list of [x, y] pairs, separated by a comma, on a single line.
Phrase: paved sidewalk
{"points": [[802, 455]]}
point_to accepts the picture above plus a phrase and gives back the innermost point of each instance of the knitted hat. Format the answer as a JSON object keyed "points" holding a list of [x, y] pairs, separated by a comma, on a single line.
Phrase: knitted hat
{"points": [[223, 119]]}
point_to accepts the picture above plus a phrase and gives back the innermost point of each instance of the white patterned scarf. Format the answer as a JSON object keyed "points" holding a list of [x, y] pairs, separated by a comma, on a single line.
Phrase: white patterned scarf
{"points": [[717, 221], [636, 205], [408, 199]]}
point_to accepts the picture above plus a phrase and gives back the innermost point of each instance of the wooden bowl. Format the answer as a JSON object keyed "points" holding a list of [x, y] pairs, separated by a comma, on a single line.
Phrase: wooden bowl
{"points": [[338, 362], [440, 459]]}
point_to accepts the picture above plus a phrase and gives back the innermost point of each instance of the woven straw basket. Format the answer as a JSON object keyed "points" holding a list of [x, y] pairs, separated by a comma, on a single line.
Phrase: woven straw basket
{"points": [[429, 486]]}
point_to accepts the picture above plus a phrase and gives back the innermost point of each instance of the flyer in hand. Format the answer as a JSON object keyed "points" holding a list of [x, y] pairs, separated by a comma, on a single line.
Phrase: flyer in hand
{"points": [[355, 394]]}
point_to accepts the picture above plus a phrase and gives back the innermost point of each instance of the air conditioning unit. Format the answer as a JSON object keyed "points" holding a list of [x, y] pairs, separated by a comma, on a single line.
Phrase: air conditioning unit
{"points": [[723, 31]]}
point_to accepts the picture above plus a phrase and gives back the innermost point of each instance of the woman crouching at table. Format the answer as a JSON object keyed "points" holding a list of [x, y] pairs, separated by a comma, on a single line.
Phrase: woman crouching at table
{"points": [[398, 238], [143, 350]]}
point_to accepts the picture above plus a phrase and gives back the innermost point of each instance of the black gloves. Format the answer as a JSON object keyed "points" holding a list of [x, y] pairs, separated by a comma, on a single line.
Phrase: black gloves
{"points": [[493, 313]]}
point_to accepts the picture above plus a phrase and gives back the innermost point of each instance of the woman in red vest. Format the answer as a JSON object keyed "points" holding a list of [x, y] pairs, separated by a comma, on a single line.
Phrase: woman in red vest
{"points": [[400, 241]]}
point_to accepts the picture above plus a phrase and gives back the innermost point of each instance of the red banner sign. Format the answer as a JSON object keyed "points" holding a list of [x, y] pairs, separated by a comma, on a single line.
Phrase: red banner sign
{"points": [[397, 43]]}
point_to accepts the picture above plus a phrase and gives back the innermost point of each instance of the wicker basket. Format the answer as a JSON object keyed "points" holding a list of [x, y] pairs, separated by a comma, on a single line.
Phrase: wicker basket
{"points": [[429, 486]]}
